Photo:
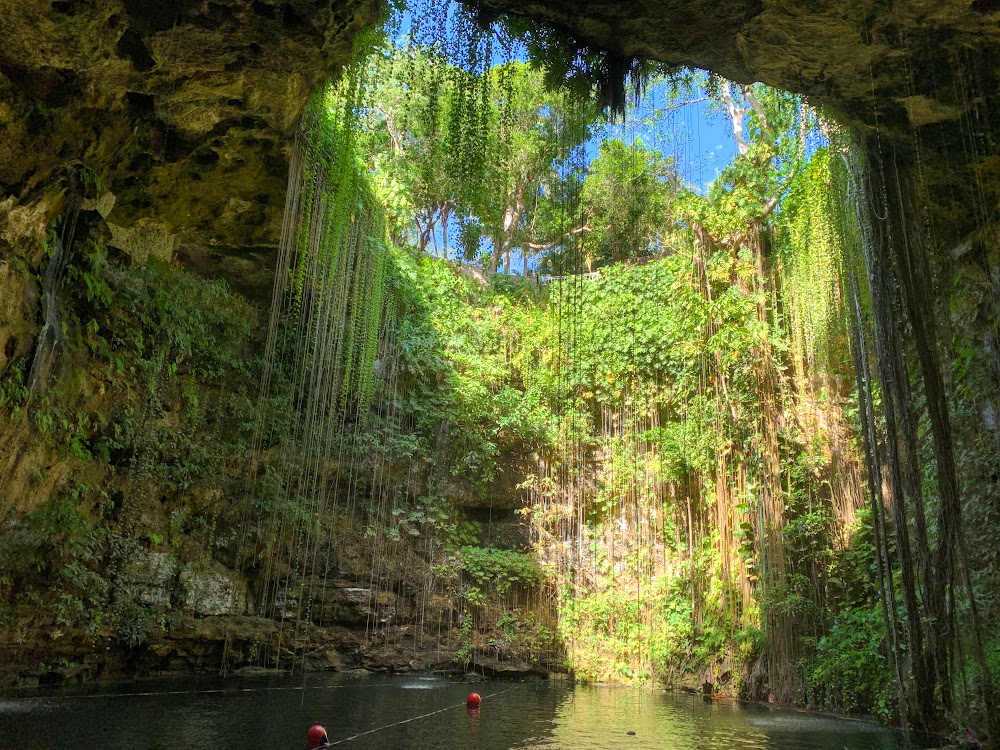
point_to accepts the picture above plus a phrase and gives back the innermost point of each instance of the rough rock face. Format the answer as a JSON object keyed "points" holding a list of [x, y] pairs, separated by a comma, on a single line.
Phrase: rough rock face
{"points": [[915, 77], [215, 591], [182, 108], [149, 578], [894, 60]]}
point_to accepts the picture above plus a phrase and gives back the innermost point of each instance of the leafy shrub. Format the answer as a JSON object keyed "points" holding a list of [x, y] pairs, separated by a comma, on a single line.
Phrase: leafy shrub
{"points": [[499, 569], [849, 672], [51, 558]]}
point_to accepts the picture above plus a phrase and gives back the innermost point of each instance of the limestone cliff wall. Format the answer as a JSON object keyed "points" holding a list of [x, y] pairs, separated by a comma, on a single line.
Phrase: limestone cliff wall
{"points": [[183, 110]]}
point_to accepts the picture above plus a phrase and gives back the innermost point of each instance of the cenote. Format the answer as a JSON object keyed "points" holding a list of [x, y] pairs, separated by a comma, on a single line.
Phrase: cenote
{"points": [[263, 714], [597, 354]]}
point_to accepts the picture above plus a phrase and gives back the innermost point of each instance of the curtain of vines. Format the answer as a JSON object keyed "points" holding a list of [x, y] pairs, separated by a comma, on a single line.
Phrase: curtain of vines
{"points": [[330, 298]]}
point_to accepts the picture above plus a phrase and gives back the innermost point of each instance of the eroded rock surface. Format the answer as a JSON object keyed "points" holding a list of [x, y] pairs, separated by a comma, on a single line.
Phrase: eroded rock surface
{"points": [[183, 110], [896, 61], [149, 578], [212, 591]]}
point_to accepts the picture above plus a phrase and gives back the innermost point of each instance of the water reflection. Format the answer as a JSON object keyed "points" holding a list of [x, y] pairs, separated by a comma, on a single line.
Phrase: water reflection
{"points": [[603, 717], [407, 712]]}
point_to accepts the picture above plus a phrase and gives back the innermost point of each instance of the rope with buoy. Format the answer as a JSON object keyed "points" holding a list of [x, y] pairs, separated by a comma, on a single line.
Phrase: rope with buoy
{"points": [[468, 703]]}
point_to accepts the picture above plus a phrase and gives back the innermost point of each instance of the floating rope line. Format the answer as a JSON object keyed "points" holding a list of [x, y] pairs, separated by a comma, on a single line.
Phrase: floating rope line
{"points": [[227, 691], [414, 718]]}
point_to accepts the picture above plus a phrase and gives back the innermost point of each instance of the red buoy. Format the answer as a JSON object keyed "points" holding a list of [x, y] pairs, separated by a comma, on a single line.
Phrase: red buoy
{"points": [[473, 700], [316, 737]]}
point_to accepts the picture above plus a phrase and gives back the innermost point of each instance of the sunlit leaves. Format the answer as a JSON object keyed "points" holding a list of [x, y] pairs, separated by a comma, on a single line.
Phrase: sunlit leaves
{"points": [[626, 201]]}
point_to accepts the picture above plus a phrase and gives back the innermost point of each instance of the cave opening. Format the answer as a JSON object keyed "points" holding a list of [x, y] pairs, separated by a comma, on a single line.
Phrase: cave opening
{"points": [[579, 357], [711, 477]]}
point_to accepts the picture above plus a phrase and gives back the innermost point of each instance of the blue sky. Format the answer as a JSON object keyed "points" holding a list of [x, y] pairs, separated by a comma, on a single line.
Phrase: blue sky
{"points": [[699, 139], [693, 134], [696, 136]]}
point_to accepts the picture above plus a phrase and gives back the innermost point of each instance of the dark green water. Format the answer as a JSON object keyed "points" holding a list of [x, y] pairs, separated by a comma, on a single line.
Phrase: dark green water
{"points": [[274, 713]]}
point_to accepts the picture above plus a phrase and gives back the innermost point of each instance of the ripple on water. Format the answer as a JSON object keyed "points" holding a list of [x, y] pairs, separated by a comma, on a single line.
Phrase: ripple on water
{"points": [[805, 722], [424, 683], [16, 707]]}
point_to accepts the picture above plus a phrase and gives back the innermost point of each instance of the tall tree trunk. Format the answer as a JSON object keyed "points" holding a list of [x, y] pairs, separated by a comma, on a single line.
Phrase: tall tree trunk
{"points": [[912, 266], [904, 313]]}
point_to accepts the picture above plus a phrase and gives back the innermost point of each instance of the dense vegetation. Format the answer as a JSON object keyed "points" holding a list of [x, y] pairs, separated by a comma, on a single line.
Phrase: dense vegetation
{"points": [[680, 421], [674, 426], [159, 403]]}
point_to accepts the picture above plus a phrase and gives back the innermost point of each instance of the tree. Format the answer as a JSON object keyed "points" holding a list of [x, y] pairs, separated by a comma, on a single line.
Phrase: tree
{"points": [[528, 160], [490, 150], [627, 199], [411, 98]]}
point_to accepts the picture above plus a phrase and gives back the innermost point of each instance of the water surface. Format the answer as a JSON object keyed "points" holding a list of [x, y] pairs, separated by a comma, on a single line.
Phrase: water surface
{"points": [[273, 713]]}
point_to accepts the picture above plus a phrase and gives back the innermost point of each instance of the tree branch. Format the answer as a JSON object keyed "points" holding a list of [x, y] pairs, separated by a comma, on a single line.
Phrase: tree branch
{"points": [[736, 117], [758, 109], [397, 141], [549, 245]]}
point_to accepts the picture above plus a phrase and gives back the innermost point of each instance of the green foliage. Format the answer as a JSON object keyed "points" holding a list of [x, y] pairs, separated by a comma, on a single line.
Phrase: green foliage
{"points": [[61, 531], [849, 672], [481, 149], [484, 375], [466, 645], [626, 200], [154, 335], [810, 252], [579, 67], [152, 398], [679, 499], [993, 657], [132, 622], [14, 388], [433, 515], [853, 572], [458, 386], [163, 334], [499, 569], [58, 543], [638, 340]]}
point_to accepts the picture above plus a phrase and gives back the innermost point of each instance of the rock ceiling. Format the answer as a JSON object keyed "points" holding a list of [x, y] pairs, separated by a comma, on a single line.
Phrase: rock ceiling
{"points": [[185, 108]]}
